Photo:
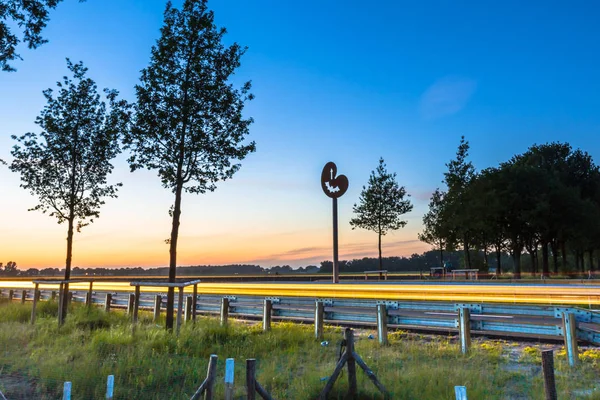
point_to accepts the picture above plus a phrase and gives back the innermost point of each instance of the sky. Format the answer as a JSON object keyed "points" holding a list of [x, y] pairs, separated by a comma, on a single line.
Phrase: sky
{"points": [[341, 81]]}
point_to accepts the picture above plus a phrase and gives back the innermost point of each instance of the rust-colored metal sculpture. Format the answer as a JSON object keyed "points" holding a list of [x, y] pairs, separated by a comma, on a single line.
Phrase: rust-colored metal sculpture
{"points": [[334, 186]]}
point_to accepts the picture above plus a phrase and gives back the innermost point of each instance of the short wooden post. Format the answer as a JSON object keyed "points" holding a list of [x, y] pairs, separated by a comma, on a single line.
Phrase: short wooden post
{"points": [[229, 376], [23, 296], [11, 294], [188, 309], [107, 301], [53, 295], [382, 330], [224, 310], [251, 378], [110, 387], [69, 298], [38, 294], [207, 386], [36, 297], [464, 326], [194, 302], [157, 303], [267, 313], [319, 311], [570, 332], [89, 298], [460, 392], [349, 337], [67, 391], [548, 371], [179, 309], [136, 304], [130, 303]]}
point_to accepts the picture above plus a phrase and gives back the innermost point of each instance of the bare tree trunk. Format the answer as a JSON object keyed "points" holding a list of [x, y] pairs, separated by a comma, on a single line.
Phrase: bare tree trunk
{"points": [[563, 255], [516, 254], [591, 254], [173, 255], [68, 265], [554, 248], [467, 253], [582, 261], [545, 259], [533, 263], [498, 261], [380, 259]]}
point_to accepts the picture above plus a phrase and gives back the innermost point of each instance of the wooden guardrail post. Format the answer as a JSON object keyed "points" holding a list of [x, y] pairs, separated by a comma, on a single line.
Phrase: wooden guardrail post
{"points": [[464, 326], [188, 309], [69, 298], [89, 298], [229, 376], [224, 310], [53, 295], [179, 309], [157, 303], [194, 301], [136, 304], [570, 333], [207, 386], [382, 330], [252, 385], [11, 294], [36, 297], [61, 300], [548, 371], [349, 358], [107, 301], [267, 312], [319, 311], [23, 296], [130, 303]]}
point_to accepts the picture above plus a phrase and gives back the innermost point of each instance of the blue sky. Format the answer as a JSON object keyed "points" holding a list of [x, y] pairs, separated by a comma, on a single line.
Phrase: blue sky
{"points": [[343, 81]]}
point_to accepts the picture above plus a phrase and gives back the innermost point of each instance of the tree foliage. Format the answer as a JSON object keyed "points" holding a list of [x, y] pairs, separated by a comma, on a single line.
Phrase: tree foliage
{"points": [[66, 165], [188, 123], [381, 204], [29, 15]]}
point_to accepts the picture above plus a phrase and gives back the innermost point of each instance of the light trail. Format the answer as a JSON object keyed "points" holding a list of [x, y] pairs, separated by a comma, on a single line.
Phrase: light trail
{"points": [[546, 294]]}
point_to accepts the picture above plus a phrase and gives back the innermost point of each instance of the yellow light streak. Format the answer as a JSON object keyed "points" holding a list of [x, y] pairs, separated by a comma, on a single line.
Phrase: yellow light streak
{"points": [[487, 293]]}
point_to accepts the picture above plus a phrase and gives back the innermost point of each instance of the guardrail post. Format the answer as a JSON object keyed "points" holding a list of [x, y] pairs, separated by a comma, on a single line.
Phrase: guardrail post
{"points": [[89, 298], [157, 303], [460, 392], [319, 311], [188, 309], [570, 332], [194, 302], [224, 310], [23, 296], [53, 295], [69, 298], [464, 326], [11, 294], [267, 311], [136, 304], [548, 371], [107, 301], [36, 297], [179, 309], [130, 302], [61, 300], [110, 387], [382, 331]]}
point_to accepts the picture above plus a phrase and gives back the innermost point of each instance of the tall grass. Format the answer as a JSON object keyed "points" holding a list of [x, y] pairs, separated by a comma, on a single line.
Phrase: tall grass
{"points": [[151, 363]]}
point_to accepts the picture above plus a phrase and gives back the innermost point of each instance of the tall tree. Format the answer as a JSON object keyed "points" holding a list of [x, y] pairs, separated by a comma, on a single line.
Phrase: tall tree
{"points": [[458, 177], [32, 16], [434, 229], [381, 205], [188, 121], [67, 164]]}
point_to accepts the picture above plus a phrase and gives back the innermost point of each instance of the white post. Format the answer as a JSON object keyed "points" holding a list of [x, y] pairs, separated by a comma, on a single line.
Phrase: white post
{"points": [[229, 367], [110, 387], [460, 392], [67, 391]]}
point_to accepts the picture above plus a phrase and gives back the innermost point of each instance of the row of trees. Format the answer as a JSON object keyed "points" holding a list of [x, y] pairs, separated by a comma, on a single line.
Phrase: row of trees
{"points": [[544, 202], [186, 124]]}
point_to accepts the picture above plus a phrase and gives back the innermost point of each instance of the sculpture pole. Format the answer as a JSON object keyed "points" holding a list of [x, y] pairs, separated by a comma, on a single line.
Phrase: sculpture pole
{"points": [[336, 266], [334, 186]]}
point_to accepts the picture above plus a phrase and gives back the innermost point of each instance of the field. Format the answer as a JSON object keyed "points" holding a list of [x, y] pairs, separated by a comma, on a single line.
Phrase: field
{"points": [[150, 363]]}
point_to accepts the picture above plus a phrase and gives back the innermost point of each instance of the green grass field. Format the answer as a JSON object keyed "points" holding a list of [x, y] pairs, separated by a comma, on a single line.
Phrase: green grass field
{"points": [[149, 363]]}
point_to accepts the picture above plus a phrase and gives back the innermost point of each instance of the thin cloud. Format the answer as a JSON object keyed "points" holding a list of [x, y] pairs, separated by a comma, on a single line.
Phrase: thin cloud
{"points": [[446, 97]]}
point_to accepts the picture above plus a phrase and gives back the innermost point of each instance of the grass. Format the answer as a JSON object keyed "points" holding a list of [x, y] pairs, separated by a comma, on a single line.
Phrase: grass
{"points": [[150, 363]]}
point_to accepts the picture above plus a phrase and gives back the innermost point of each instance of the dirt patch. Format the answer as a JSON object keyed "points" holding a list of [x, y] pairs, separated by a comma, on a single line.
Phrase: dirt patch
{"points": [[17, 387]]}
